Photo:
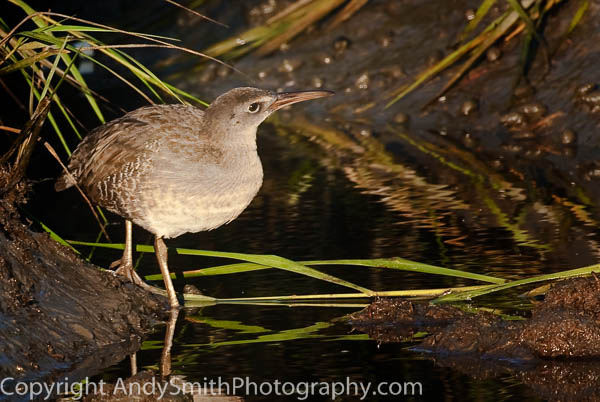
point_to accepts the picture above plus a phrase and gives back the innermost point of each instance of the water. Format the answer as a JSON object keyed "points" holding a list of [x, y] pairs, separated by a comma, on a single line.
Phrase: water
{"points": [[308, 209]]}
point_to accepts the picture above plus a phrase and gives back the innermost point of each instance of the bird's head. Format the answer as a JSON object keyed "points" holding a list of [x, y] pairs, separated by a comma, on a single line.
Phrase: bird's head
{"points": [[242, 110]]}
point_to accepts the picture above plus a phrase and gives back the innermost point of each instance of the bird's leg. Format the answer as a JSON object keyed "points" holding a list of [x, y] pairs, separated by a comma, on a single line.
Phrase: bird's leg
{"points": [[125, 264], [161, 256], [133, 361], [165, 357]]}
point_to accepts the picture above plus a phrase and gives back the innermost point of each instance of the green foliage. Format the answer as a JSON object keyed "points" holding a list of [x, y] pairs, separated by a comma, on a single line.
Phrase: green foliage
{"points": [[260, 262]]}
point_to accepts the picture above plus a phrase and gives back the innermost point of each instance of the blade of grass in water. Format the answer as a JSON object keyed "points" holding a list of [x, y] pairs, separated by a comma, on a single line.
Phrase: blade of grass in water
{"points": [[281, 263], [268, 260], [259, 262], [280, 336], [468, 295], [418, 293], [406, 265], [389, 263], [237, 326]]}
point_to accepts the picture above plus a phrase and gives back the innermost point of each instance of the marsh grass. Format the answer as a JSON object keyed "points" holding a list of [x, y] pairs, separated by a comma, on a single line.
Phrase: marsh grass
{"points": [[285, 26], [43, 48], [254, 262], [31, 52]]}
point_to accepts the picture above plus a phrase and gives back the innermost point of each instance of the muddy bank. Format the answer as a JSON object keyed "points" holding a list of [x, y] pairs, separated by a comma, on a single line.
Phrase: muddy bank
{"points": [[566, 325], [60, 316], [558, 346]]}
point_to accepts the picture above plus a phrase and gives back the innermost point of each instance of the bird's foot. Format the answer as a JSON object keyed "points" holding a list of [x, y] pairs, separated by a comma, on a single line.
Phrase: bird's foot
{"points": [[128, 272]]}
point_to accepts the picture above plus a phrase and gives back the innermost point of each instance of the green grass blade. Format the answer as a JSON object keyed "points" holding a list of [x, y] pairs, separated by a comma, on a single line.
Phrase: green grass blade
{"points": [[481, 12], [578, 15], [261, 259], [281, 263], [259, 262], [389, 263], [281, 336], [74, 71], [237, 326], [28, 61], [468, 295], [412, 266], [48, 79]]}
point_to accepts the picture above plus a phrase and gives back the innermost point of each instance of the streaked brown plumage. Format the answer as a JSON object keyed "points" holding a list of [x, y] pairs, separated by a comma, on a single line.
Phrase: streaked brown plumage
{"points": [[173, 169]]}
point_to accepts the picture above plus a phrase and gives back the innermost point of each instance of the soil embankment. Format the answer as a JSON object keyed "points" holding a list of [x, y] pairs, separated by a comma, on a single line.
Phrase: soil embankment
{"points": [[60, 316]]}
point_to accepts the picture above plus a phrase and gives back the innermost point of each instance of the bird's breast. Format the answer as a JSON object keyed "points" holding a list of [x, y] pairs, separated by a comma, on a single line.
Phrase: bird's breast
{"points": [[200, 196]]}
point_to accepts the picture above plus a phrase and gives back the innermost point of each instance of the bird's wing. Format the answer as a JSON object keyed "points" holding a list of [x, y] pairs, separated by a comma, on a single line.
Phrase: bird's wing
{"points": [[113, 144], [113, 153]]}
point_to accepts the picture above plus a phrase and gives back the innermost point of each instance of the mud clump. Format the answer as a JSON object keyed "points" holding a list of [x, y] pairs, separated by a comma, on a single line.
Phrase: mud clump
{"points": [[555, 351], [565, 326], [58, 314], [395, 320]]}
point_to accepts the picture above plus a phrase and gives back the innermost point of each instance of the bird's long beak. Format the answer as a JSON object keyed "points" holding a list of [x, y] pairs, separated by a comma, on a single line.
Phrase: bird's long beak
{"points": [[288, 98]]}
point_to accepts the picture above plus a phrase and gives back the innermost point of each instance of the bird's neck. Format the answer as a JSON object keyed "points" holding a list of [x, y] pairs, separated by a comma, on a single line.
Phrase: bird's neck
{"points": [[232, 136]]}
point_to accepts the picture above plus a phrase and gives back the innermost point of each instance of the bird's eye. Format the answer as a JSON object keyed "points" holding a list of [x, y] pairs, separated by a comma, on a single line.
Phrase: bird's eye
{"points": [[254, 107]]}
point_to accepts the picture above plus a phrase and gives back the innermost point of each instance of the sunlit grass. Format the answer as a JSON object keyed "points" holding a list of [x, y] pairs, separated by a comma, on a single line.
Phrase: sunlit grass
{"points": [[44, 48], [261, 262], [284, 26], [55, 44]]}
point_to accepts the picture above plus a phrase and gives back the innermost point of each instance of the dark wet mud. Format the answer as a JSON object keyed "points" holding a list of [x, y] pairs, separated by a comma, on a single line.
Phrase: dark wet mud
{"points": [[556, 349], [60, 316]]}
